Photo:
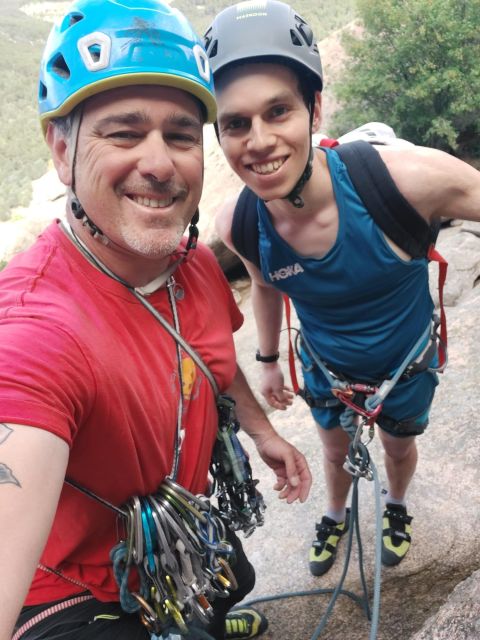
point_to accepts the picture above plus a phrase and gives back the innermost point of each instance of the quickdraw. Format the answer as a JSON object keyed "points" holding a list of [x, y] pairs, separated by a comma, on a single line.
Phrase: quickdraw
{"points": [[177, 543], [239, 501]]}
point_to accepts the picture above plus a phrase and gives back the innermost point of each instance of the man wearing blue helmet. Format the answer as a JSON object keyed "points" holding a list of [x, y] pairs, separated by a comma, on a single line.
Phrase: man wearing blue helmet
{"points": [[113, 357], [363, 301]]}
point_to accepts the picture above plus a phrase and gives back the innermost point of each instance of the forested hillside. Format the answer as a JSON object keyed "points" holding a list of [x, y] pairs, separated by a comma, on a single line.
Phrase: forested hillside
{"points": [[23, 154]]}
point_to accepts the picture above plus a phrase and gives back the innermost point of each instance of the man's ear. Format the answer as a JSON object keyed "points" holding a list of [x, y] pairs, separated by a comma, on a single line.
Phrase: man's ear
{"points": [[59, 148], [317, 111]]}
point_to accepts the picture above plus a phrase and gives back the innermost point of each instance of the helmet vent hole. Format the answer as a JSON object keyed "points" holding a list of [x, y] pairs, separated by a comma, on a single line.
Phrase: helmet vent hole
{"points": [[95, 52], [42, 91], [307, 33], [214, 50], [70, 19], [60, 67], [295, 39]]}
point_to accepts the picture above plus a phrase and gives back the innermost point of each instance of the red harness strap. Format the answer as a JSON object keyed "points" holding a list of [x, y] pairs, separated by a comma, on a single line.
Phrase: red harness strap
{"points": [[291, 353], [328, 142], [434, 256]]}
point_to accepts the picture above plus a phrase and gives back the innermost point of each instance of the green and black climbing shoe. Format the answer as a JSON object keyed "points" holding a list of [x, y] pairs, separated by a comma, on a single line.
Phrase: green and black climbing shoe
{"points": [[242, 624], [396, 534], [324, 548]]}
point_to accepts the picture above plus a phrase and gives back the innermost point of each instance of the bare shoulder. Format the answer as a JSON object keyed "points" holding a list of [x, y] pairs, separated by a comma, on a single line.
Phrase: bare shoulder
{"points": [[410, 166], [223, 226], [434, 182], [223, 221]]}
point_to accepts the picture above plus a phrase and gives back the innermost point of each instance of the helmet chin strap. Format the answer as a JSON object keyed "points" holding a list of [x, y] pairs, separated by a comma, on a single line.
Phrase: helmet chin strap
{"points": [[294, 196], [76, 208], [79, 213]]}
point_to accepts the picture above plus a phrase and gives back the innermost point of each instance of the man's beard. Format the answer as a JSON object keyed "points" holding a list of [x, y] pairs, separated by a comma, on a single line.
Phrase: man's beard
{"points": [[153, 243]]}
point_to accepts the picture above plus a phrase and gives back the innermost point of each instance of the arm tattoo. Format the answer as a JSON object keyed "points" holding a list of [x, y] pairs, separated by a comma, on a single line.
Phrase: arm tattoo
{"points": [[6, 475], [4, 432]]}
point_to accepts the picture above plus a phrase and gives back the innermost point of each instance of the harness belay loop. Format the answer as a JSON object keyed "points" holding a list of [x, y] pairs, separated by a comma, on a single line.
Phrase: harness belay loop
{"points": [[239, 501]]}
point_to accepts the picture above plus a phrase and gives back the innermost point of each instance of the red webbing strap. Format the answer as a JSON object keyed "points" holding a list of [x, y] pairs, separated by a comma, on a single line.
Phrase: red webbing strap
{"points": [[329, 142], [291, 352], [442, 276]]}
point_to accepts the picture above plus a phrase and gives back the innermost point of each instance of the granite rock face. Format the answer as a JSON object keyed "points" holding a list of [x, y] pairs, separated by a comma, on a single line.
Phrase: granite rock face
{"points": [[459, 617]]}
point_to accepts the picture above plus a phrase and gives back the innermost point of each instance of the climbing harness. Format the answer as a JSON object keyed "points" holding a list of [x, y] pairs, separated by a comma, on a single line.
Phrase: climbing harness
{"points": [[418, 359], [176, 542]]}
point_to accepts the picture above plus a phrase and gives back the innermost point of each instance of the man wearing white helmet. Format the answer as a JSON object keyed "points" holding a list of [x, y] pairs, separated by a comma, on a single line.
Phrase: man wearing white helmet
{"points": [[116, 337], [362, 301]]}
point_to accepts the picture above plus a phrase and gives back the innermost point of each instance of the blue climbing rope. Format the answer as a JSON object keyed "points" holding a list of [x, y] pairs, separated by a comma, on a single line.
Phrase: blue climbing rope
{"points": [[373, 613]]}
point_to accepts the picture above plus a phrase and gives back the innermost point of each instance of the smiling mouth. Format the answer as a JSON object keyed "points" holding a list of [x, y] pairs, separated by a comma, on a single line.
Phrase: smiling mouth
{"points": [[266, 168], [152, 203]]}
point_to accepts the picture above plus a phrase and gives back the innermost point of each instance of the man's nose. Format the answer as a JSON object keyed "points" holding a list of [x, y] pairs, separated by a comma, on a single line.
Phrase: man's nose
{"points": [[155, 158], [261, 136]]}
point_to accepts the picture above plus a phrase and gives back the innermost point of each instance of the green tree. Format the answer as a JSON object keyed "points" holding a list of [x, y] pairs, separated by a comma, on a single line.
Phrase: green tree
{"points": [[417, 68]]}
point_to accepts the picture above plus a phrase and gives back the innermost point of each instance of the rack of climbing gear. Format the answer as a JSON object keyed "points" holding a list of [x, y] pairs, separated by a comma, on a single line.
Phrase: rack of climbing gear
{"points": [[177, 544], [239, 502]]}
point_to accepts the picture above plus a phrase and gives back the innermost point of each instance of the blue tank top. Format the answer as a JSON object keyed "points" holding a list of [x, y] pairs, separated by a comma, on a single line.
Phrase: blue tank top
{"points": [[361, 306]]}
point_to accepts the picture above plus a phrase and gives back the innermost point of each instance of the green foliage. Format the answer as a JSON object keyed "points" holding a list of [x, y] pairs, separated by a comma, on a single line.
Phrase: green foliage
{"points": [[23, 153], [416, 67]]}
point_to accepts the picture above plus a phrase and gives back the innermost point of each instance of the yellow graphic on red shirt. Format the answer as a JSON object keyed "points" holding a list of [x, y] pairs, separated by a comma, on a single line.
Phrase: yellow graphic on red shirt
{"points": [[189, 375]]}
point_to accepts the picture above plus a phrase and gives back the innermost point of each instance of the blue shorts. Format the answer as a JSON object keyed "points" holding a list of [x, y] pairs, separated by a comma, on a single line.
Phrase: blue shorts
{"points": [[405, 411]]}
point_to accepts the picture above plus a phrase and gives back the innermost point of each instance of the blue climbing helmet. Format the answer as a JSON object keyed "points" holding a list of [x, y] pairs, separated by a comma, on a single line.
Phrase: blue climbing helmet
{"points": [[104, 44]]}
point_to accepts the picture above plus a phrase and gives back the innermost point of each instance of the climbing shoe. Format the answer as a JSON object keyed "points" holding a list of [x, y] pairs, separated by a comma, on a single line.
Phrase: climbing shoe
{"points": [[396, 534], [324, 548], [241, 624]]}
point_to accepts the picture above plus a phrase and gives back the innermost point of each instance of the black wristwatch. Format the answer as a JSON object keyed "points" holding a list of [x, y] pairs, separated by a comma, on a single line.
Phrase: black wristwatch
{"points": [[260, 358]]}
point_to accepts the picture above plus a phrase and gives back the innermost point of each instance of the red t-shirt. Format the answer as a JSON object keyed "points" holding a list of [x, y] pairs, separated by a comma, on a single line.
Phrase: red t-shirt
{"points": [[82, 358]]}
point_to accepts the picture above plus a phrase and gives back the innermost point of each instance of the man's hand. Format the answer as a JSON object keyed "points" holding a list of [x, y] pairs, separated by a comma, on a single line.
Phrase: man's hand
{"points": [[289, 465], [293, 475], [273, 387]]}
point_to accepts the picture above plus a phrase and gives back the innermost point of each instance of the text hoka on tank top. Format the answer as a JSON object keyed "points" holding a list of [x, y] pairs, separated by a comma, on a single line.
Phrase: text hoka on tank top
{"points": [[286, 272]]}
